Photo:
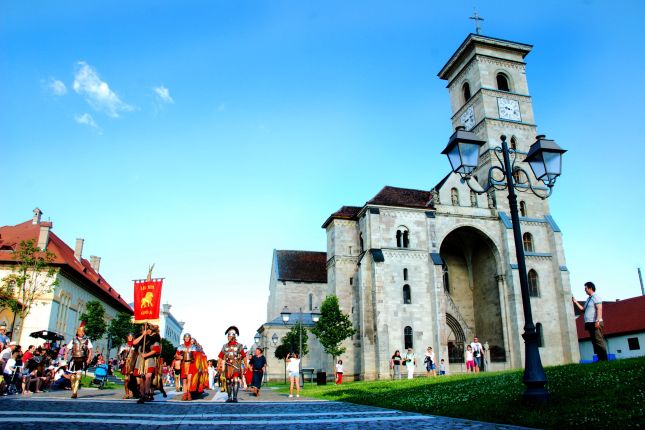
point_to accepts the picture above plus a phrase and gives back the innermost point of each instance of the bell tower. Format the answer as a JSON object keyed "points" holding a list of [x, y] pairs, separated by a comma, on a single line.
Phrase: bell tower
{"points": [[489, 95]]}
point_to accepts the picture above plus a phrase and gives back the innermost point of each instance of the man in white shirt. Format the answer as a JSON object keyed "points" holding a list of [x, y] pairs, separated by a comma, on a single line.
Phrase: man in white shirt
{"points": [[478, 353]]}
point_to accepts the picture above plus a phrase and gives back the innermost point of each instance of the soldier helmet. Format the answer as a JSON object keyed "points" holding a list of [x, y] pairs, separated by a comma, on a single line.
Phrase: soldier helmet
{"points": [[232, 329]]}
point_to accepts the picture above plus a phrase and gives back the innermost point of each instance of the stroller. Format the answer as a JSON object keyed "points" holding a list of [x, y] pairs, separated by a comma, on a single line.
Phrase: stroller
{"points": [[12, 382], [100, 376]]}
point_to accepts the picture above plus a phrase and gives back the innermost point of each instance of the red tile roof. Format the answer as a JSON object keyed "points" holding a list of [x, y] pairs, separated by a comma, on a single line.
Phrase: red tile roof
{"points": [[345, 212], [301, 266], [11, 236], [620, 317]]}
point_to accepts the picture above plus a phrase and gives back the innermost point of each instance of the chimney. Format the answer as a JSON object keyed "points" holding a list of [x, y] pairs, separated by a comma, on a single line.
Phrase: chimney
{"points": [[78, 251], [37, 214], [95, 262], [43, 236]]}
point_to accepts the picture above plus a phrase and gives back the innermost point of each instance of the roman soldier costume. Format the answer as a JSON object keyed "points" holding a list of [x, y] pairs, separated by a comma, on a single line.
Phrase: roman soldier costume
{"points": [[81, 349], [231, 360], [147, 367], [188, 351], [128, 357]]}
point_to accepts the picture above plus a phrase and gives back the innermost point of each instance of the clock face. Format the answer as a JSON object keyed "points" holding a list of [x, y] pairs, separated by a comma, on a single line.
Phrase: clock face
{"points": [[468, 118], [509, 109]]}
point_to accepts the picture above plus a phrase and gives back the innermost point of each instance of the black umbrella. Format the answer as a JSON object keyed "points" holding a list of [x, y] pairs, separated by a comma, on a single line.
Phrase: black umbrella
{"points": [[47, 335]]}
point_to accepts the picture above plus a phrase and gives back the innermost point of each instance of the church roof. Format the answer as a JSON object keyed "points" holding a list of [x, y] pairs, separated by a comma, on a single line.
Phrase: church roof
{"points": [[405, 197], [301, 266], [11, 236], [620, 317], [345, 212]]}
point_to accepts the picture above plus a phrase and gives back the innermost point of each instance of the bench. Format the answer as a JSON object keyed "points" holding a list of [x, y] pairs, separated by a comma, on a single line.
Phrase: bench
{"points": [[306, 370]]}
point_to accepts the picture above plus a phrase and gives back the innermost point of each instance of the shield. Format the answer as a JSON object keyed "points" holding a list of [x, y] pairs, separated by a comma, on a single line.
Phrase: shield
{"points": [[47, 335]]}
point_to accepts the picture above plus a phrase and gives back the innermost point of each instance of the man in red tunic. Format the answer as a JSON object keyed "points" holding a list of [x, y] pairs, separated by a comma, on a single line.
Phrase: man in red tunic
{"points": [[231, 359]]}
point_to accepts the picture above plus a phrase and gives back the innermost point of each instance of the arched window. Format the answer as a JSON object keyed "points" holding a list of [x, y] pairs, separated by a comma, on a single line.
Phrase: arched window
{"points": [[513, 143], [454, 197], [407, 337], [502, 82], [534, 284], [402, 238], [523, 208], [405, 274], [516, 176], [311, 302], [446, 278], [540, 333], [466, 91], [528, 242], [360, 238], [473, 199], [407, 296]]}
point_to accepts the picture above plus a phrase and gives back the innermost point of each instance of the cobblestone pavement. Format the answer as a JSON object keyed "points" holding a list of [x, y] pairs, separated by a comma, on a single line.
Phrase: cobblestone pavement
{"points": [[104, 410]]}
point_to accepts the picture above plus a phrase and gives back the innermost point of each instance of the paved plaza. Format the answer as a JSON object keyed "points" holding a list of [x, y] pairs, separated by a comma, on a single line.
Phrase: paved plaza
{"points": [[104, 410]]}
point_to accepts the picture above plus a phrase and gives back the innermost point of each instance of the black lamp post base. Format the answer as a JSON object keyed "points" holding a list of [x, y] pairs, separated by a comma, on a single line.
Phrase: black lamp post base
{"points": [[536, 395]]}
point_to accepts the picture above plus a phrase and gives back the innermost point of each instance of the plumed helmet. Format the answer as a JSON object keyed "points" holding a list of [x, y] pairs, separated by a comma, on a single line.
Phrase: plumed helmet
{"points": [[232, 329]]}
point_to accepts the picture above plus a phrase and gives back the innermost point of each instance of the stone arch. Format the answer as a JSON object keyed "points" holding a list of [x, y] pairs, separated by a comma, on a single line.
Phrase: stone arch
{"points": [[456, 340], [473, 262]]}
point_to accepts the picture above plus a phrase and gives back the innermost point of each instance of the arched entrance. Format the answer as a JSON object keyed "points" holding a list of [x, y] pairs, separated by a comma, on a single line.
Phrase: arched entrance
{"points": [[472, 292]]}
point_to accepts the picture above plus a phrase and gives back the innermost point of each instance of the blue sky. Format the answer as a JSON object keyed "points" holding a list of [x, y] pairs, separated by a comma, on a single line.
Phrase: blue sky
{"points": [[202, 135]]}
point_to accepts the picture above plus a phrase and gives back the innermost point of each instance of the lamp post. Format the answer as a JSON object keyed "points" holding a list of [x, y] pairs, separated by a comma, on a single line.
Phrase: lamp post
{"points": [[545, 159]]}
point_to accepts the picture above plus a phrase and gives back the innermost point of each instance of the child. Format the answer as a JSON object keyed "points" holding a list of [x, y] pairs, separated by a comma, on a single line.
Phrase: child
{"points": [[442, 368], [470, 359], [339, 372]]}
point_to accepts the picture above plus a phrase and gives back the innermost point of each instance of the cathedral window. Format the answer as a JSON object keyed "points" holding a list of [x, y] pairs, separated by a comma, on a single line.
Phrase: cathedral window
{"points": [[540, 333], [407, 337], [405, 274], [473, 199], [523, 208], [534, 284], [454, 197], [360, 238], [446, 278], [513, 143], [311, 302], [407, 296], [502, 82], [351, 281], [516, 176], [402, 238], [528, 242], [466, 91]]}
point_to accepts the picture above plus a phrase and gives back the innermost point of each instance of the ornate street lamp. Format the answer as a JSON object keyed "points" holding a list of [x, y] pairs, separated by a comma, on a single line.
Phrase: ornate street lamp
{"points": [[315, 315], [285, 314], [545, 159], [274, 339]]}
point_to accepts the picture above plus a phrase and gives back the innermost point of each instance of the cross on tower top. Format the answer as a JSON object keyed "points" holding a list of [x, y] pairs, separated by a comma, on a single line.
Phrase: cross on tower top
{"points": [[477, 18]]}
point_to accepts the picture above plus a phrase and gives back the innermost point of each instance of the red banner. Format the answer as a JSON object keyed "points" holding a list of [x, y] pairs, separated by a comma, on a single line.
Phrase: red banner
{"points": [[147, 301]]}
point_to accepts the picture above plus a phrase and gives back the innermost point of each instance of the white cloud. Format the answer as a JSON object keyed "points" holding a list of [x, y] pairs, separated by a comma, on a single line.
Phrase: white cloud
{"points": [[163, 94], [57, 87], [97, 92], [86, 119]]}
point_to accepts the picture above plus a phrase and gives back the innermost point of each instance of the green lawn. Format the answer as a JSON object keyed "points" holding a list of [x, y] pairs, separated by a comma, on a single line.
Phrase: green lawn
{"points": [[600, 395]]}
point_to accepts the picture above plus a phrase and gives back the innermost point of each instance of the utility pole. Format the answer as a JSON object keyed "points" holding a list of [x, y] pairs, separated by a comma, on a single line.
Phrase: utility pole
{"points": [[640, 277]]}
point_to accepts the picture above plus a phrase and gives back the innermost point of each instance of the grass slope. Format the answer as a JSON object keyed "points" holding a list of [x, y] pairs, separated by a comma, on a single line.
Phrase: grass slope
{"points": [[592, 396]]}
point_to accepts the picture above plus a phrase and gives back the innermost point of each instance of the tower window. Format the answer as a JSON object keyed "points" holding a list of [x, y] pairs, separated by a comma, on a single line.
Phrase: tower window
{"points": [[402, 238], [407, 296], [454, 197], [534, 284], [360, 239], [502, 82], [311, 302], [466, 91], [473, 199], [405, 274], [523, 208], [528, 242], [513, 143], [407, 337], [540, 333], [446, 278]]}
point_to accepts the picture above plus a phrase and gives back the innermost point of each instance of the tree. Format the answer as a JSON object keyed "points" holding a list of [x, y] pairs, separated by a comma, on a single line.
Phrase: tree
{"points": [[333, 327], [167, 351], [291, 340], [119, 328], [94, 317], [33, 277]]}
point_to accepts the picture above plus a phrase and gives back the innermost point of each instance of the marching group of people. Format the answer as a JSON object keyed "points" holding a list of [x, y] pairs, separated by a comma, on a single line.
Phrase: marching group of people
{"points": [[473, 357]]}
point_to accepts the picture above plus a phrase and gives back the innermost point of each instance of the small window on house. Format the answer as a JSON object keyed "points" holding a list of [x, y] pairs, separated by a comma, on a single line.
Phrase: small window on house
{"points": [[502, 82], [473, 199], [454, 197], [633, 343], [407, 296], [528, 242], [407, 337], [466, 91], [513, 143], [446, 278], [523, 208], [540, 333], [534, 284]]}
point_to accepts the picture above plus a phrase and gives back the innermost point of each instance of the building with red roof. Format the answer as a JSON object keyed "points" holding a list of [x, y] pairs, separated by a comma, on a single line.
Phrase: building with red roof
{"points": [[79, 281], [624, 322]]}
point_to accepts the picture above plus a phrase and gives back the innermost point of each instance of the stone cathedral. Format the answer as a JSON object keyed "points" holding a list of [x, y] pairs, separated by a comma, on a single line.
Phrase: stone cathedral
{"points": [[418, 268]]}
